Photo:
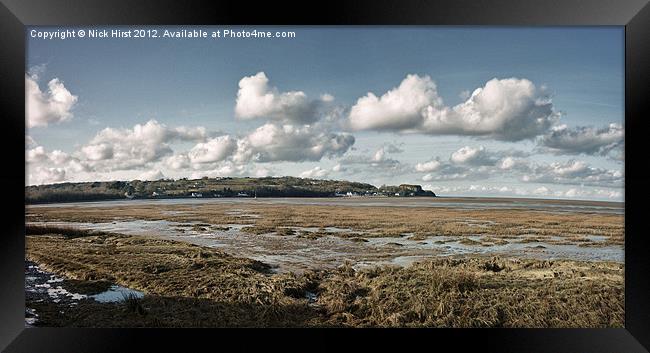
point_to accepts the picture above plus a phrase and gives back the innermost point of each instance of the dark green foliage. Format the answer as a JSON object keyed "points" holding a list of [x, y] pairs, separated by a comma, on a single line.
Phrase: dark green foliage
{"points": [[208, 188]]}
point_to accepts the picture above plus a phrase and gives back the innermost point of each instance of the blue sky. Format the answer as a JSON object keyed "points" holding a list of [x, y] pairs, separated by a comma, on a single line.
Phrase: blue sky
{"points": [[576, 75]]}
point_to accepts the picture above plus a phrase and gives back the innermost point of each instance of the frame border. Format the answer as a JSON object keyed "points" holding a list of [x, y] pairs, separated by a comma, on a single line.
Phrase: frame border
{"points": [[633, 14]]}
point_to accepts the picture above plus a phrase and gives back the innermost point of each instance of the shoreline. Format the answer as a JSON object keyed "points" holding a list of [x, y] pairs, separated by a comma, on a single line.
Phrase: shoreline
{"points": [[396, 199]]}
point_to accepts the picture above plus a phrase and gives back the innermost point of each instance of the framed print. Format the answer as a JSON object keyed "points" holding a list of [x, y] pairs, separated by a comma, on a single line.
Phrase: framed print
{"points": [[462, 172]]}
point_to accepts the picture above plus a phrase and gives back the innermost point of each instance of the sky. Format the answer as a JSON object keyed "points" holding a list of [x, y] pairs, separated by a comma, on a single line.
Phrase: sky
{"points": [[462, 111]]}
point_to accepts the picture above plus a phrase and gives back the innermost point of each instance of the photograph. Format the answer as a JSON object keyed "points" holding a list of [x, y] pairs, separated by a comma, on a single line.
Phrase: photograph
{"points": [[325, 176]]}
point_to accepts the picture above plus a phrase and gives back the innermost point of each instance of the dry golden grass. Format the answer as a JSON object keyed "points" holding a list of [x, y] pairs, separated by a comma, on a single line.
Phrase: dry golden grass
{"points": [[469, 293]]}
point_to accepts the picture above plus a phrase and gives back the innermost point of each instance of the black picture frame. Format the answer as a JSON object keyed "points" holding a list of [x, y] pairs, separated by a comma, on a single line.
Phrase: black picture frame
{"points": [[633, 14]]}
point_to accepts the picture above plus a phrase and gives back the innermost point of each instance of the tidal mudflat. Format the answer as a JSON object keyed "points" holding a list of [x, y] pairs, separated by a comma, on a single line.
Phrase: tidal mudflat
{"points": [[335, 262]]}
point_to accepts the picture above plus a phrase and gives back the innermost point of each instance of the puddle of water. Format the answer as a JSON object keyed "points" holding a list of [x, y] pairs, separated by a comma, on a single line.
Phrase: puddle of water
{"points": [[57, 293], [311, 297], [404, 261], [44, 286], [42, 283], [116, 294], [597, 238], [31, 317], [450, 245]]}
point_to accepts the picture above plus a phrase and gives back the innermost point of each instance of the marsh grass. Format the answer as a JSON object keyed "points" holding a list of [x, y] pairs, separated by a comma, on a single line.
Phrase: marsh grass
{"points": [[133, 304], [367, 221], [191, 286], [68, 232], [87, 287]]}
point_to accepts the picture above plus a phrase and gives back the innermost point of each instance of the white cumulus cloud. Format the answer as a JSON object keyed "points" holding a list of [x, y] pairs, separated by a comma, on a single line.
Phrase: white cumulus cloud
{"points": [[471, 155], [509, 109], [427, 167], [256, 99], [272, 142], [52, 106], [119, 149], [214, 150]]}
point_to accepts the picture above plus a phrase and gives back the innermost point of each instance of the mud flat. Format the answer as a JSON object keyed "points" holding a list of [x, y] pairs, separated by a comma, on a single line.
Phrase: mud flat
{"points": [[294, 235]]}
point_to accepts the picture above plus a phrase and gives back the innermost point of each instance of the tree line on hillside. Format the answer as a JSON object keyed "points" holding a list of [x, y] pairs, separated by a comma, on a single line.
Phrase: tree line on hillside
{"points": [[212, 187]]}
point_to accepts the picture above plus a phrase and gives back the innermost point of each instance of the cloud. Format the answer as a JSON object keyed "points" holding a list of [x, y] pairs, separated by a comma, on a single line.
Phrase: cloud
{"points": [[271, 142], [36, 154], [472, 156], [30, 142], [315, 173], [214, 150], [539, 191], [98, 152], [429, 166], [151, 175], [381, 154], [509, 109], [256, 99], [45, 167], [427, 177], [338, 168], [326, 97], [451, 171], [203, 155], [123, 152], [583, 140], [45, 175], [398, 109], [268, 143], [573, 172], [120, 149], [465, 159], [261, 172], [542, 190], [580, 193], [177, 161], [372, 163], [507, 163], [149, 145], [473, 163], [61, 158], [477, 163], [221, 169], [44, 108]]}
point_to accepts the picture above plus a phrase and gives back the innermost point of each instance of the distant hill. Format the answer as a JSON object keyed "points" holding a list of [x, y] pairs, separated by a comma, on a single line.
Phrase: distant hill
{"points": [[212, 187]]}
